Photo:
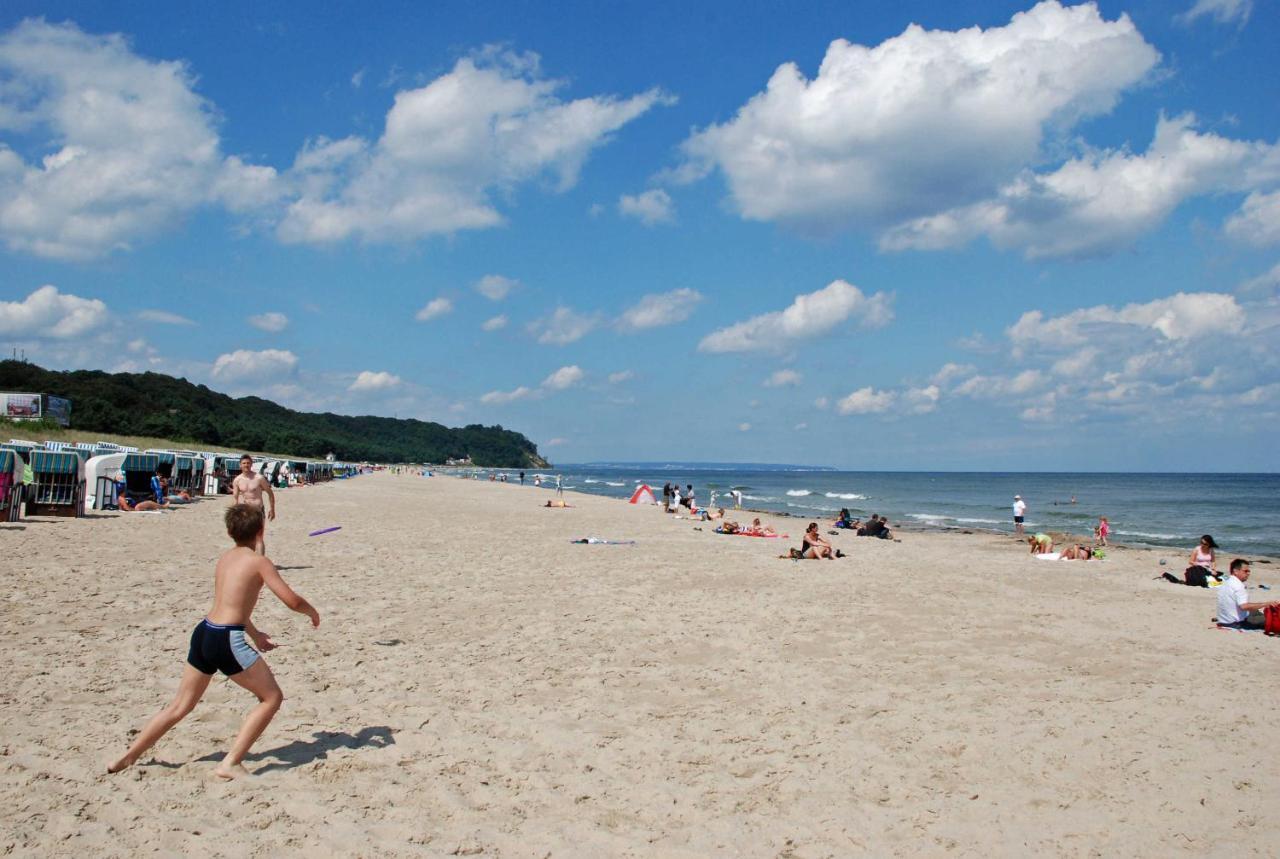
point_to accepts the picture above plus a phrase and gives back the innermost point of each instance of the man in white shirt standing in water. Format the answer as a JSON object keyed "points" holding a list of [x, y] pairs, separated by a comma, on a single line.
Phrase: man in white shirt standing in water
{"points": [[247, 488], [1019, 513]]}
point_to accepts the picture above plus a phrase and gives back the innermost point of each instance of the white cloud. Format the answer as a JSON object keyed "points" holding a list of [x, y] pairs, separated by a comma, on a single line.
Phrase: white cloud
{"points": [[565, 377], [744, 427], [132, 148], [810, 315], [271, 321], [951, 371], [433, 309], [667, 308], [1258, 221], [244, 365], [164, 317], [920, 401], [995, 387], [821, 403], [368, 380], [48, 313], [650, 208], [357, 79], [495, 287], [500, 397], [1180, 317], [781, 378], [1103, 201], [923, 122], [447, 148], [800, 426], [1222, 11], [620, 377], [866, 401], [494, 323], [555, 442], [563, 326]]}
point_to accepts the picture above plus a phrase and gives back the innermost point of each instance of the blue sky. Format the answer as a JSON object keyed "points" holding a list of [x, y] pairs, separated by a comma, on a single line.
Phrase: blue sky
{"points": [[908, 235]]}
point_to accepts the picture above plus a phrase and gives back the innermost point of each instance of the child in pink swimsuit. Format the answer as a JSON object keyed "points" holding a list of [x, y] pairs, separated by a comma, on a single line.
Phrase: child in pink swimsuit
{"points": [[1103, 530]]}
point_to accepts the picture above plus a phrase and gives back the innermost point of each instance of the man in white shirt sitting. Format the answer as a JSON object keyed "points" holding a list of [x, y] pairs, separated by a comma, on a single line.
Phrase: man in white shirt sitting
{"points": [[1233, 604]]}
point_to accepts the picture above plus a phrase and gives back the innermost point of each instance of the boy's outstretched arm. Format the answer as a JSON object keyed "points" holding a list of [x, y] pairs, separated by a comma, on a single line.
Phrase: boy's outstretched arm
{"points": [[287, 595]]}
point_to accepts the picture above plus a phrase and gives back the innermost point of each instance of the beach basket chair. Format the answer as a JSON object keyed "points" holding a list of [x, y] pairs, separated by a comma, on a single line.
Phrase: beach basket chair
{"points": [[57, 487], [183, 473], [10, 486], [138, 469], [197, 476]]}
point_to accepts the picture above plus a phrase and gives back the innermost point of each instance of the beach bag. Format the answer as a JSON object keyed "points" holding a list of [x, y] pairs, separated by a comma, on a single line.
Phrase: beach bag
{"points": [[1271, 620], [1196, 577]]}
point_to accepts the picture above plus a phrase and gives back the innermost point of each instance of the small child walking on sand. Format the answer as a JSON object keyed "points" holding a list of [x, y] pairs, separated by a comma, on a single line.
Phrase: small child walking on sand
{"points": [[1102, 531], [218, 644]]}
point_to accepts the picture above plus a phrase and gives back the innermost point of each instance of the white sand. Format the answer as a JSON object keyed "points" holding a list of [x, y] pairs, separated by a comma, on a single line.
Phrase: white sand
{"points": [[691, 695]]}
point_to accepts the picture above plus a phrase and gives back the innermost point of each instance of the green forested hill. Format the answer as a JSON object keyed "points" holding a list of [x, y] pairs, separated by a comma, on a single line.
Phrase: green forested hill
{"points": [[152, 404]]}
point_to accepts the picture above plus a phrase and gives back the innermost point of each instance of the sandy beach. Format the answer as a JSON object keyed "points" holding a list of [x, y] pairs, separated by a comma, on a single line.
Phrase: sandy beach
{"points": [[481, 685]]}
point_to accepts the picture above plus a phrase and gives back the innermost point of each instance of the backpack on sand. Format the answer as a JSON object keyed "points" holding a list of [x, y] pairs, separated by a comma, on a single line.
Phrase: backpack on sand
{"points": [[1271, 620]]}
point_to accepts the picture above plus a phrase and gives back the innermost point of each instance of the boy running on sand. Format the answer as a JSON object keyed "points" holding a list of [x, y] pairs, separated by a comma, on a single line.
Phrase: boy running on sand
{"points": [[247, 488], [218, 644]]}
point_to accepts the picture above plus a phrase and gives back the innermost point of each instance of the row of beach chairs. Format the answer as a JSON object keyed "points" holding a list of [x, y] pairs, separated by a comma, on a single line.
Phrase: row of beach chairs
{"points": [[65, 479]]}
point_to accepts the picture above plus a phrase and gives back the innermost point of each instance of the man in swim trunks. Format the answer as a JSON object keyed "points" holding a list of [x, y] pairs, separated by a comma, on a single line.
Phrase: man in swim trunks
{"points": [[247, 488], [1019, 514], [218, 643]]}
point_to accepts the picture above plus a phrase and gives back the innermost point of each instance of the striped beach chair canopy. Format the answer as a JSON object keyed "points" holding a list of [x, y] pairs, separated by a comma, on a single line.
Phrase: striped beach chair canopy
{"points": [[54, 462], [7, 458], [140, 462], [163, 456]]}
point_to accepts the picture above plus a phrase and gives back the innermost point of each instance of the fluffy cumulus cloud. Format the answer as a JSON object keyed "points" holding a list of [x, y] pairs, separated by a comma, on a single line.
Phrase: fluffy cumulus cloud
{"points": [[651, 207], [494, 323], [48, 313], [1258, 221], [271, 321], [446, 149], [368, 380], [1103, 201], [563, 326], [561, 380], [1181, 317], [620, 377], [434, 309], [921, 123], [495, 287], [129, 146], [782, 378], [865, 401], [244, 365], [565, 377], [810, 315], [654, 311], [1221, 11]]}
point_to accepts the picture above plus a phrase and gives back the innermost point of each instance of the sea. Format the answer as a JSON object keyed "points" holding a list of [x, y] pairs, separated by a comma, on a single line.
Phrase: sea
{"points": [[1241, 511]]}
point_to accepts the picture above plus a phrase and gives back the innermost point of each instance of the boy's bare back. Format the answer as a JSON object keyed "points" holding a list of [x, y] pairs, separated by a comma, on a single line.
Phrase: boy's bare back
{"points": [[237, 582]]}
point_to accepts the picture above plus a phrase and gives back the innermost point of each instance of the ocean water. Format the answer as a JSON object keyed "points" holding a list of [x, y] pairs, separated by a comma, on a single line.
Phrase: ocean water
{"points": [[1241, 511]]}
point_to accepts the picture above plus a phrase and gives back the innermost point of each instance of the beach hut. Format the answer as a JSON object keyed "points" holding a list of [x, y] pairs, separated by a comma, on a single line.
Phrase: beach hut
{"points": [[138, 469], [100, 480], [643, 495], [10, 485], [184, 468], [165, 460], [197, 475], [57, 484]]}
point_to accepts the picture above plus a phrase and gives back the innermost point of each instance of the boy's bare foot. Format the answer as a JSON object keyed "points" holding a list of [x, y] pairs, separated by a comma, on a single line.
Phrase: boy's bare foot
{"points": [[227, 772], [122, 764]]}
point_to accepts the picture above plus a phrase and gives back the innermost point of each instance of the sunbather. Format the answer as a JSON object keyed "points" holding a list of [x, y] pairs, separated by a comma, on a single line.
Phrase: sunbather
{"points": [[1076, 553], [758, 530], [558, 502]]}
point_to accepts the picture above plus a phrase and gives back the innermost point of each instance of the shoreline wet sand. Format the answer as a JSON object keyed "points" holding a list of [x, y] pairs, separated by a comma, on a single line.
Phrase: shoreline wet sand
{"points": [[482, 685]]}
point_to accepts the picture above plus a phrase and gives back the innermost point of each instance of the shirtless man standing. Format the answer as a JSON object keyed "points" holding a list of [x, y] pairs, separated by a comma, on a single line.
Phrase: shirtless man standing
{"points": [[218, 644], [247, 488]]}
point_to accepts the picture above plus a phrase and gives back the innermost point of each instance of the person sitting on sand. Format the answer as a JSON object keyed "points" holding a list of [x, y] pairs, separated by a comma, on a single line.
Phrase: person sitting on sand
{"points": [[846, 520], [708, 515], [759, 530], [1041, 544], [218, 643], [557, 502], [877, 526], [813, 546], [1076, 553], [1233, 600], [1205, 557]]}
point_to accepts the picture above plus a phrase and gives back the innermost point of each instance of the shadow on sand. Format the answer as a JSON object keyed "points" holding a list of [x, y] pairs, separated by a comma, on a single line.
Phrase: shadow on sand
{"points": [[301, 752]]}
